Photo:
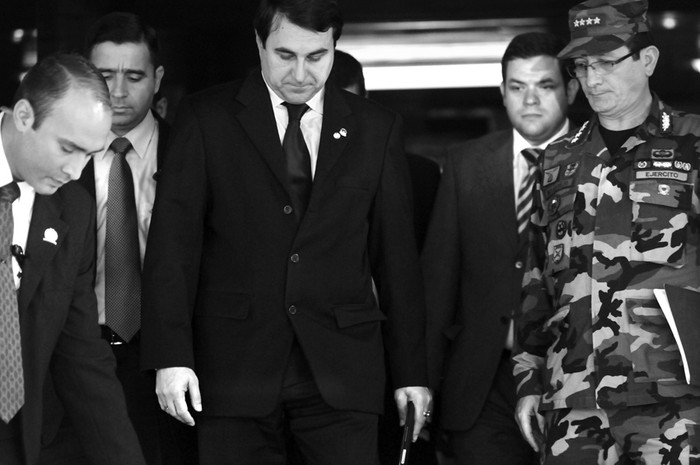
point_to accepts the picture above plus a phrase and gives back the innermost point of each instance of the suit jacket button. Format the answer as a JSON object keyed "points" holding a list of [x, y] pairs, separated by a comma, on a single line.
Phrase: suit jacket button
{"points": [[505, 320], [292, 310], [294, 258], [288, 210], [519, 265]]}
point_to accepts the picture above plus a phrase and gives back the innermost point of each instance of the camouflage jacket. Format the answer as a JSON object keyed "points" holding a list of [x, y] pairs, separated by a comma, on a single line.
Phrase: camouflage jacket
{"points": [[609, 229]]}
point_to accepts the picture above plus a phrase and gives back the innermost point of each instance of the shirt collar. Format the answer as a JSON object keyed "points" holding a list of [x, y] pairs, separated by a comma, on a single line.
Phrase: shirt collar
{"points": [[140, 136]]}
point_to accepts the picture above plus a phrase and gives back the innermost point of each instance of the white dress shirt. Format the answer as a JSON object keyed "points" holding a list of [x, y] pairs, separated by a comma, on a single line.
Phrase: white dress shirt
{"points": [[310, 123], [143, 161], [21, 208]]}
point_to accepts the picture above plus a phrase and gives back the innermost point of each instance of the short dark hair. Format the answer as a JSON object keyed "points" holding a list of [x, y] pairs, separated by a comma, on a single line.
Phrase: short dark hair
{"points": [[121, 27], [51, 78], [532, 44], [347, 72], [314, 15]]}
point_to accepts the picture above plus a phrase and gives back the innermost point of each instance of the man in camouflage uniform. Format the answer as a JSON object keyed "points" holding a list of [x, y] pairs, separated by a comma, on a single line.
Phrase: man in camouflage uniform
{"points": [[618, 217]]}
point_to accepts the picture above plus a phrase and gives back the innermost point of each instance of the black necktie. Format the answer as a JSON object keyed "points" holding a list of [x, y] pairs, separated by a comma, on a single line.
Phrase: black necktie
{"points": [[298, 159], [526, 192], [122, 255], [11, 370]]}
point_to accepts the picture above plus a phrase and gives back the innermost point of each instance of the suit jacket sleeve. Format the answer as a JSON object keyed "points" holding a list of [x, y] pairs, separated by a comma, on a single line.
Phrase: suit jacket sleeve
{"points": [[396, 268], [83, 366], [441, 269], [175, 244]]}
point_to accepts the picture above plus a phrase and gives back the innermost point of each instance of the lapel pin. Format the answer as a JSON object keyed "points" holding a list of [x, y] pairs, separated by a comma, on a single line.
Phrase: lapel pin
{"points": [[51, 236], [343, 132], [336, 136]]}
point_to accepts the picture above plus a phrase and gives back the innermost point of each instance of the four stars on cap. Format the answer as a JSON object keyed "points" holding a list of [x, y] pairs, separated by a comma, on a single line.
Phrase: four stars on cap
{"points": [[587, 22]]}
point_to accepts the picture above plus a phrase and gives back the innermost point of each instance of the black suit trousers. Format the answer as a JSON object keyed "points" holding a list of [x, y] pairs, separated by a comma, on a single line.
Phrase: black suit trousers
{"points": [[320, 434], [495, 438]]}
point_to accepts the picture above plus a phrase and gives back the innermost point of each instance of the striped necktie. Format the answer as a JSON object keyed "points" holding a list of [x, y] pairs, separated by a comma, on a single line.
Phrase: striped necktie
{"points": [[524, 206]]}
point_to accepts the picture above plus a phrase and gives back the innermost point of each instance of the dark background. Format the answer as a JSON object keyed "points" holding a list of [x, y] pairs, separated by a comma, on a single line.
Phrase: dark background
{"points": [[205, 42]]}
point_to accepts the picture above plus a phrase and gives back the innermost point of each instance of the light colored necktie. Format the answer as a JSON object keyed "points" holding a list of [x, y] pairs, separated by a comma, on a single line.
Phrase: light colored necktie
{"points": [[11, 370], [523, 209], [122, 255]]}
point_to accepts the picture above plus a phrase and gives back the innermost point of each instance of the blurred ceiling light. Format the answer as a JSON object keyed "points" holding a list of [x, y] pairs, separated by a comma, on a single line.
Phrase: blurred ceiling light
{"points": [[432, 54], [17, 36], [696, 64], [433, 76], [669, 21]]}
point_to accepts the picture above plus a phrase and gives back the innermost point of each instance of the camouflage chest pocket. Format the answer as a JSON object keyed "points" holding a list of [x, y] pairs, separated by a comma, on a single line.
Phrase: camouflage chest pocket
{"points": [[559, 212], [659, 220]]}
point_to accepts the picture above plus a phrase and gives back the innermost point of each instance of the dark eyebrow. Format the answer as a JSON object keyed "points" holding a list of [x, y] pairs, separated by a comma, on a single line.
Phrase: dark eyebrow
{"points": [[126, 71], [286, 50]]}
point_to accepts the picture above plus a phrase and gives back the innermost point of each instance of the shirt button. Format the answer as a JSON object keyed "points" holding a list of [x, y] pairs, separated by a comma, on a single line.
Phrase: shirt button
{"points": [[292, 310], [294, 258], [288, 209], [519, 265]]}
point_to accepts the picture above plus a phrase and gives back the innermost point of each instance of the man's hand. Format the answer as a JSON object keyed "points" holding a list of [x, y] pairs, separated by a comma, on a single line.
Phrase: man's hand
{"points": [[171, 385], [530, 422], [422, 400]]}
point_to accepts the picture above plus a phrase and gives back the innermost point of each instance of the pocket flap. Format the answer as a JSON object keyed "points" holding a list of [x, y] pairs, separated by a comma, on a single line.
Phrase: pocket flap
{"points": [[354, 314], [658, 192]]}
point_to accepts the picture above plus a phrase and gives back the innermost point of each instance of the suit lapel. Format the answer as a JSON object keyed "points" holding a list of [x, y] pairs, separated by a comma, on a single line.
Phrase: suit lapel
{"points": [[338, 128], [499, 171], [258, 121], [45, 222]]}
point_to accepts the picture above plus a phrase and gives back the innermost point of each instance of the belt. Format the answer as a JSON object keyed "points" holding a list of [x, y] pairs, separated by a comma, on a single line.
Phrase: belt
{"points": [[111, 337]]}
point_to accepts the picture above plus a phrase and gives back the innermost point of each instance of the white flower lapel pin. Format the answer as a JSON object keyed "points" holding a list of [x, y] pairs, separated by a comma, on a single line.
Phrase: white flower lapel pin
{"points": [[342, 133], [51, 236]]}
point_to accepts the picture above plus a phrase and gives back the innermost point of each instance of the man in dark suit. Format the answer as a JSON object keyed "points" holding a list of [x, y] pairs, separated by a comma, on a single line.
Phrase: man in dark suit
{"points": [[125, 50], [60, 119], [474, 256], [258, 280]]}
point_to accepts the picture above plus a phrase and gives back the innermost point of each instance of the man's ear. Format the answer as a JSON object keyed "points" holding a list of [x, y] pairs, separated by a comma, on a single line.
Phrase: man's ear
{"points": [[503, 92], [650, 57], [158, 75], [572, 88], [23, 115]]}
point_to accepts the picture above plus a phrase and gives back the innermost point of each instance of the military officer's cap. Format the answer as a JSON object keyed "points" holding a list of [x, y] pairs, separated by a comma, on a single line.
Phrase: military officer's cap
{"points": [[601, 26]]}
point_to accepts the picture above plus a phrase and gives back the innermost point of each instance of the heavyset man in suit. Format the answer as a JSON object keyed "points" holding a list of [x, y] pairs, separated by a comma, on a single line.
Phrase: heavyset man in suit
{"points": [[61, 117], [259, 291], [474, 256]]}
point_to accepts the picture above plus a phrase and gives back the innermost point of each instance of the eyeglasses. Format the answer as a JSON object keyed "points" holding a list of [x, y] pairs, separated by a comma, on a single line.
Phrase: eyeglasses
{"points": [[579, 69]]}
